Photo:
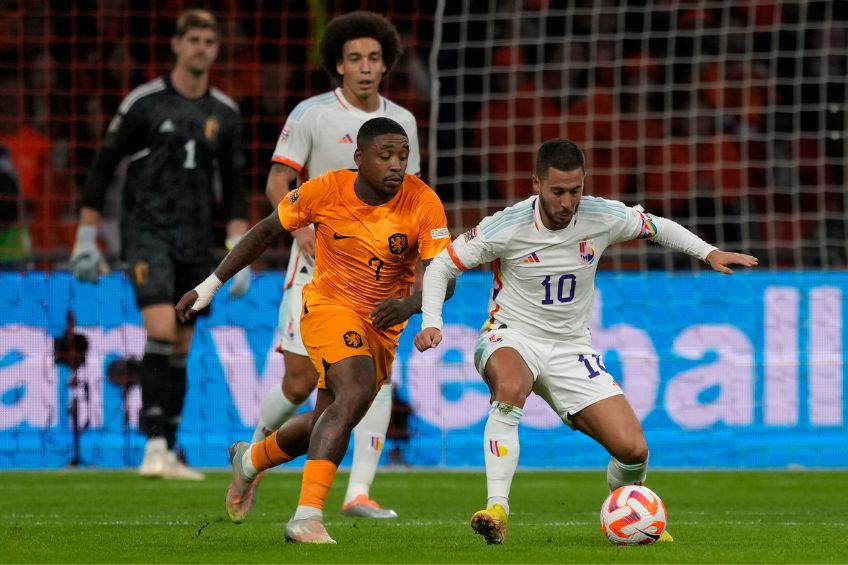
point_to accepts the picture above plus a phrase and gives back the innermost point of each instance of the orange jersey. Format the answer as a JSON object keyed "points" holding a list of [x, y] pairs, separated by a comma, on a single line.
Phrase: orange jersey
{"points": [[364, 253]]}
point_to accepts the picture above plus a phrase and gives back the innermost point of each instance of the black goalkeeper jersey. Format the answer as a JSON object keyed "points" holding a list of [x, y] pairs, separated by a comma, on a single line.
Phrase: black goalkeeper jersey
{"points": [[174, 146]]}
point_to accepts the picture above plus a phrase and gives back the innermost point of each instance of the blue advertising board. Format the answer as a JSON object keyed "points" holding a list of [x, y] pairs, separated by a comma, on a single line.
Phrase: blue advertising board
{"points": [[745, 371]]}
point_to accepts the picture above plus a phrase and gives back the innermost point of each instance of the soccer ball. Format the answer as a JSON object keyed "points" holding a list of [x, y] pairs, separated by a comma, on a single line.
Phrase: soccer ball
{"points": [[633, 515]]}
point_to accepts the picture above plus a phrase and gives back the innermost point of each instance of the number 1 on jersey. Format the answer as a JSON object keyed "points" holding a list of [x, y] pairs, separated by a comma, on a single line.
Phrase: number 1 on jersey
{"points": [[190, 147]]}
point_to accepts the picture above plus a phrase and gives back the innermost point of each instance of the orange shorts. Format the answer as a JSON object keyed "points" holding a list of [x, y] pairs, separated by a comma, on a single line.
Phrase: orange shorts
{"points": [[333, 333]]}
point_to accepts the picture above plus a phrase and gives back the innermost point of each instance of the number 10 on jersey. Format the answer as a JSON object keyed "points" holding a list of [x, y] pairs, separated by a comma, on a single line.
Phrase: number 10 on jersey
{"points": [[564, 289]]}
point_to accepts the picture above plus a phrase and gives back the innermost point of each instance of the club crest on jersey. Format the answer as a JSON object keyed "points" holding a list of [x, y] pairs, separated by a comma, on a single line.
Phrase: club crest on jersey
{"points": [[141, 270], [587, 251], [210, 130], [293, 195], [470, 234], [398, 243], [353, 339]]}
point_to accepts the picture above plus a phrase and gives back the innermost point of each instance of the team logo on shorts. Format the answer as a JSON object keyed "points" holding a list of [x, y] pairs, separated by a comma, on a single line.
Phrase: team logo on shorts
{"points": [[210, 130], [293, 195], [497, 449], [494, 338], [398, 243], [353, 339], [587, 251], [141, 271]]}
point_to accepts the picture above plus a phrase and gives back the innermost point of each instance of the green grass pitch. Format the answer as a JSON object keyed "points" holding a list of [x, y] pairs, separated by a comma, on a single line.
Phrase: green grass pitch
{"points": [[715, 517]]}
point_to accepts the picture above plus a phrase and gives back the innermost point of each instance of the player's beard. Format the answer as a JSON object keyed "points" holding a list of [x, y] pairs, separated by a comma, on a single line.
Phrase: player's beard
{"points": [[558, 221]]}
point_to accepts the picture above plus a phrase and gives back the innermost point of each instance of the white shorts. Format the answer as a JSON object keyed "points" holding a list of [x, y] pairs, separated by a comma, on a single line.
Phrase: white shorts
{"points": [[288, 326], [567, 377]]}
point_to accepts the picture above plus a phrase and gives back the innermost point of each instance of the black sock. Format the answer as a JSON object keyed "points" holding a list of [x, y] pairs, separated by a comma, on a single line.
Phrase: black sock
{"points": [[155, 375], [175, 398]]}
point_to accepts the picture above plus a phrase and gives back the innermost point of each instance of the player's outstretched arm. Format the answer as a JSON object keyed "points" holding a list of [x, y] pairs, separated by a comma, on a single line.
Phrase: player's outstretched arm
{"points": [[721, 261], [393, 311], [243, 254], [669, 233], [439, 279]]}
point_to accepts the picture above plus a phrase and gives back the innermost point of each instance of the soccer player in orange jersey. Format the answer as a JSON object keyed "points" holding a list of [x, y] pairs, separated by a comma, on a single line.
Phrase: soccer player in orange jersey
{"points": [[372, 227]]}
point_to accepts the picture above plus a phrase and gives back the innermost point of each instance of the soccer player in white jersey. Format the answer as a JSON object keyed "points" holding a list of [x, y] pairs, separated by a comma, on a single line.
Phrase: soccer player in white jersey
{"points": [[545, 252], [319, 136]]}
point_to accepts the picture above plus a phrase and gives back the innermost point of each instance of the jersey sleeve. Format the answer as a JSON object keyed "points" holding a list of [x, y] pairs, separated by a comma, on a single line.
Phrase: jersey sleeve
{"points": [[125, 135], [413, 167], [297, 208], [231, 163], [635, 223], [433, 234], [295, 141], [481, 244]]}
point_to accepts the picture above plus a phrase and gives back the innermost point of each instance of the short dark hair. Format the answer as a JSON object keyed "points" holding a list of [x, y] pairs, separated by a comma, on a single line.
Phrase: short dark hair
{"points": [[561, 154], [378, 126], [194, 19], [357, 25]]}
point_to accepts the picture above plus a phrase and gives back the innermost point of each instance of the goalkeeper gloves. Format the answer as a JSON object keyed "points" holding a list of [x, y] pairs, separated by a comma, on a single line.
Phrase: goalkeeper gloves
{"points": [[87, 263]]}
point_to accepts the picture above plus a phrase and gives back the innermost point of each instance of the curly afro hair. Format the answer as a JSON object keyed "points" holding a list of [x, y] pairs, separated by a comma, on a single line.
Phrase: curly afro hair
{"points": [[357, 25]]}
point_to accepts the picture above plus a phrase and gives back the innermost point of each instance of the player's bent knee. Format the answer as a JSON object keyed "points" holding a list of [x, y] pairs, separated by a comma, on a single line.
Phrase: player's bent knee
{"points": [[298, 387], [633, 452], [510, 392]]}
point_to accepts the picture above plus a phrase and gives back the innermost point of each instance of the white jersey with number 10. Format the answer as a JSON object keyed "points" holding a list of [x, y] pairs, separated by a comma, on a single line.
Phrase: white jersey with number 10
{"points": [[544, 281]]}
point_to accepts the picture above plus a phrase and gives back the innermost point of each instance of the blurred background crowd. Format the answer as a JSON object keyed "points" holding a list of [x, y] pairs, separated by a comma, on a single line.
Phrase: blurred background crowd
{"points": [[726, 116]]}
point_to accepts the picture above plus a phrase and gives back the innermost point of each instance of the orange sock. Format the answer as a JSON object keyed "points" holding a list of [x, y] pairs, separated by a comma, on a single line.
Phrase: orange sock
{"points": [[266, 453], [318, 476]]}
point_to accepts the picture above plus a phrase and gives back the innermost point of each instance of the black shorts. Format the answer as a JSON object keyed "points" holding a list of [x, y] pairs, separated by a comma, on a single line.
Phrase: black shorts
{"points": [[159, 278]]}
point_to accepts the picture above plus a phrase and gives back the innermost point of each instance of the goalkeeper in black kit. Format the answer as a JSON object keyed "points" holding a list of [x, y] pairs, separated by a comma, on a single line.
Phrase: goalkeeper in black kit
{"points": [[176, 133]]}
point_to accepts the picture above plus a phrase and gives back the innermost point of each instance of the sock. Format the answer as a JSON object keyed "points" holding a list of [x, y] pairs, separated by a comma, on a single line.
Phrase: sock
{"points": [[276, 410], [155, 377], [263, 455], [369, 436], [501, 448], [308, 513], [175, 398], [619, 474], [318, 476]]}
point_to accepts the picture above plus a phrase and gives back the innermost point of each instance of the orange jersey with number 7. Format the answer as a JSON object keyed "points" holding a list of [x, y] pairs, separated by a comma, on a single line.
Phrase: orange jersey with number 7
{"points": [[364, 253]]}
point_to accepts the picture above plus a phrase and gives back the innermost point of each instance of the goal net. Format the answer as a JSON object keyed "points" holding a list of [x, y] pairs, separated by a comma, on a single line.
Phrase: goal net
{"points": [[728, 117]]}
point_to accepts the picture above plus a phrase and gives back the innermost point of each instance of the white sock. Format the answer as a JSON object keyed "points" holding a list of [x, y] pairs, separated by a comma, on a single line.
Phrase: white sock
{"points": [[247, 465], [368, 439], [619, 474], [276, 410], [308, 513], [501, 448]]}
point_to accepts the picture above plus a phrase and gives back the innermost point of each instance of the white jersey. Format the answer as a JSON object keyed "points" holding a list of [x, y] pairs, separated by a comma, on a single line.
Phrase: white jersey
{"points": [[544, 281], [320, 136]]}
